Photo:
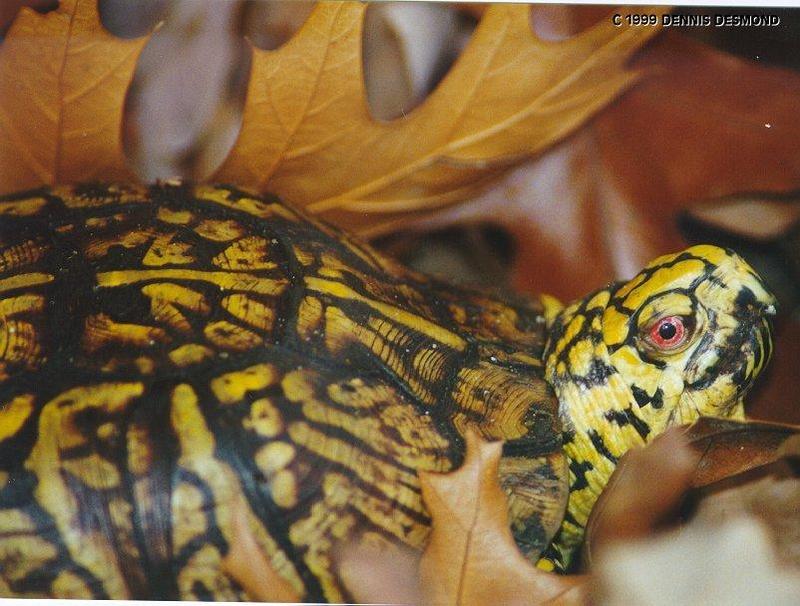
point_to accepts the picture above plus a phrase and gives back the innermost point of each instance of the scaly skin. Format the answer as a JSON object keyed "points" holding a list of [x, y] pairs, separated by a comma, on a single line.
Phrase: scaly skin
{"points": [[619, 389]]}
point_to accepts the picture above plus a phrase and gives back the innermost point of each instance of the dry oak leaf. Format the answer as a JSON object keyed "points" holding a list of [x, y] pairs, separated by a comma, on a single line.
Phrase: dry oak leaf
{"points": [[729, 448], [471, 558], [63, 81], [307, 134]]}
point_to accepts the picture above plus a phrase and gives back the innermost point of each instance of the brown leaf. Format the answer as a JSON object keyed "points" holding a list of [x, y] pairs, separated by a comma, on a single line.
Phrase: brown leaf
{"points": [[650, 484], [63, 81], [693, 130], [711, 125], [471, 558], [761, 217], [644, 491], [380, 574], [508, 96], [729, 448]]}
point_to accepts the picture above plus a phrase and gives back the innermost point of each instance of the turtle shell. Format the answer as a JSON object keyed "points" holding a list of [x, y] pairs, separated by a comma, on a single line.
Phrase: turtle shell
{"points": [[174, 357]]}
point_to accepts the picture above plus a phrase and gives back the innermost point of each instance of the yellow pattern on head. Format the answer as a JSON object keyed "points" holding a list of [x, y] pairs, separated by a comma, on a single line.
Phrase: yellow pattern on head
{"points": [[684, 338]]}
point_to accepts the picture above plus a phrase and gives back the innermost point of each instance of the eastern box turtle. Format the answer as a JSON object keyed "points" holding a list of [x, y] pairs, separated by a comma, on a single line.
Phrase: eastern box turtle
{"points": [[171, 354]]}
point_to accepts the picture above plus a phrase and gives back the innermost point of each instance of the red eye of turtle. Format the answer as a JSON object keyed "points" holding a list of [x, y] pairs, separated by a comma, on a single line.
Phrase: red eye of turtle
{"points": [[668, 333]]}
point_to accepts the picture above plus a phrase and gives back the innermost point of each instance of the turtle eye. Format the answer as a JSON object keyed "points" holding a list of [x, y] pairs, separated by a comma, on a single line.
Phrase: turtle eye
{"points": [[669, 333]]}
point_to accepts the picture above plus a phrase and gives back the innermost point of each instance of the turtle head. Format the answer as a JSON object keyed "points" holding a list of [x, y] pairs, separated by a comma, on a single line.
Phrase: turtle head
{"points": [[689, 334], [684, 338]]}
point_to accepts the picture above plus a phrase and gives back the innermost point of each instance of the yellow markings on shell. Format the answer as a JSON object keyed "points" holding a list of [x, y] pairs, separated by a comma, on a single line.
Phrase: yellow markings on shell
{"points": [[19, 342], [249, 253], [297, 385], [140, 452], [17, 519], [189, 354], [227, 335], [354, 393], [93, 471], [22, 208], [220, 230], [251, 206], [134, 238], [197, 446], [273, 457], [283, 488], [388, 479], [458, 312], [189, 425], [250, 311], [264, 419], [145, 365], [327, 272], [21, 255], [380, 512], [21, 305], [188, 519], [204, 569], [394, 334], [22, 552], [117, 194], [100, 330], [427, 446], [97, 222], [166, 251], [68, 585], [500, 398], [58, 432], [232, 387], [303, 257], [166, 299], [327, 522], [224, 280], [430, 364], [56, 421], [175, 217], [13, 415], [417, 449], [396, 314], [24, 281], [679, 275], [309, 317], [340, 331]]}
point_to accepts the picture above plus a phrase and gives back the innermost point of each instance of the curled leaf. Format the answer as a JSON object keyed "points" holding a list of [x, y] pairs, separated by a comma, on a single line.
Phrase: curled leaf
{"points": [[730, 447], [645, 489], [471, 558], [307, 134]]}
